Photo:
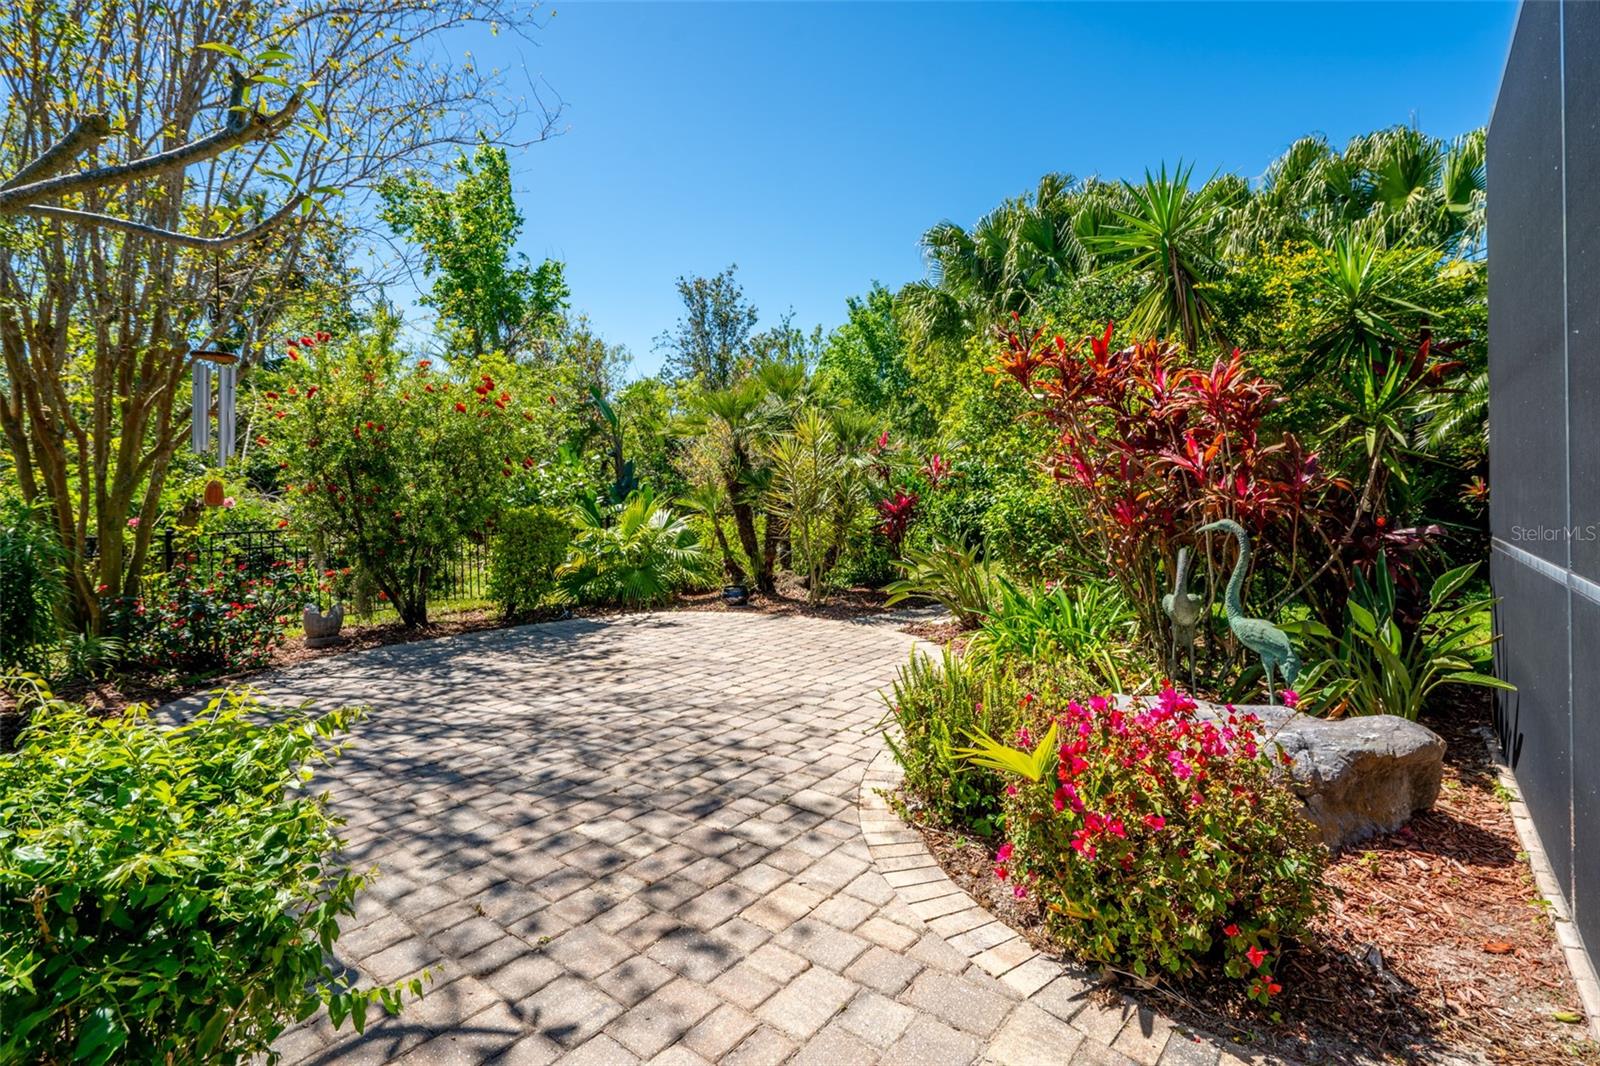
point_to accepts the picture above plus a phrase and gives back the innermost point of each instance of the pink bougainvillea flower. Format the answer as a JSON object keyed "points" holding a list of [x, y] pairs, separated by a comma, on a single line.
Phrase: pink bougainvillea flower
{"points": [[1155, 821], [133, 523], [1256, 956], [229, 503], [1291, 698], [1019, 891], [1004, 854]]}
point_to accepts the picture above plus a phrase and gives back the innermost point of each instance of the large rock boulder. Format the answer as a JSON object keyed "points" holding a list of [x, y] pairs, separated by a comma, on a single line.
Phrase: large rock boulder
{"points": [[1357, 776]]}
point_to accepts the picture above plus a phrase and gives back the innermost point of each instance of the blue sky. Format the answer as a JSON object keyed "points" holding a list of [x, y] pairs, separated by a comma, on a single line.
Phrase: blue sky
{"points": [[812, 143]]}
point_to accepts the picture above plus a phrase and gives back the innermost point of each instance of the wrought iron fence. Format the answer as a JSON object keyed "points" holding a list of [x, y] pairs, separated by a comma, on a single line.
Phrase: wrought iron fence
{"points": [[462, 574]]}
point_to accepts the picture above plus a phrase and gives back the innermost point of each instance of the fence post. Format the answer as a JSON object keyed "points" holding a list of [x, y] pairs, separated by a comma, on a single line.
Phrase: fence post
{"points": [[166, 549]]}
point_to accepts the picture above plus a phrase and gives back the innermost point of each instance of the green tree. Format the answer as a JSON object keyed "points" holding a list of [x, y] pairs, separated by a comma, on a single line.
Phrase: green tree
{"points": [[396, 463], [863, 362], [1167, 235], [711, 342], [488, 297], [820, 483], [164, 173]]}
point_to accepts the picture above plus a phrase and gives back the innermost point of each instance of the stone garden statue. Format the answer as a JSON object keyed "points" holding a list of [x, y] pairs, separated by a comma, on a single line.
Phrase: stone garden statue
{"points": [[1183, 607], [1257, 634]]}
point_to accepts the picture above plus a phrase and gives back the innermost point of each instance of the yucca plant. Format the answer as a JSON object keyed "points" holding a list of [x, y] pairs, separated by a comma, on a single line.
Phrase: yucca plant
{"points": [[1375, 668], [953, 577], [635, 553]]}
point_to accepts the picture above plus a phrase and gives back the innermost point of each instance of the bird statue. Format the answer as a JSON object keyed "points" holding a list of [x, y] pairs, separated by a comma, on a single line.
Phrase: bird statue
{"points": [[1183, 607], [1257, 634]]}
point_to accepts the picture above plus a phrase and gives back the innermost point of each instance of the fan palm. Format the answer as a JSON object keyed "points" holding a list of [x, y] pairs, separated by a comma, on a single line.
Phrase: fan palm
{"points": [[635, 553]]}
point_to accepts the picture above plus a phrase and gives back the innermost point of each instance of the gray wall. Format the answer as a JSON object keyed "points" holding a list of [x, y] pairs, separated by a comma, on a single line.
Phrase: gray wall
{"points": [[1544, 414]]}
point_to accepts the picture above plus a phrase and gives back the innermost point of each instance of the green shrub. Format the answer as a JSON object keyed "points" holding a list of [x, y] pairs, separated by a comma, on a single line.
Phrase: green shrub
{"points": [[866, 560], [935, 707], [1089, 626], [1155, 840], [1375, 668], [169, 894], [635, 554], [194, 622], [953, 577], [1029, 526], [529, 543], [30, 586]]}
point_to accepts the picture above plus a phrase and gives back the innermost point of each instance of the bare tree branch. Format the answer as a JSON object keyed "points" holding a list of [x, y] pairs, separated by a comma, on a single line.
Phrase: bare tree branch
{"points": [[81, 139], [184, 240], [14, 198]]}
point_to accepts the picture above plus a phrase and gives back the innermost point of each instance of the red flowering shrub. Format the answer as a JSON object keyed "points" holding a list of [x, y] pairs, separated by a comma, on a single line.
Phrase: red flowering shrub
{"points": [[1158, 840], [195, 622], [897, 511], [398, 464]]}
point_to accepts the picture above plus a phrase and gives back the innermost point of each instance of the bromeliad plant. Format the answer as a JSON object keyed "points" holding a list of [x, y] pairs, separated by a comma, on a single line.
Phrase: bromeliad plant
{"points": [[1376, 667], [1157, 841]]}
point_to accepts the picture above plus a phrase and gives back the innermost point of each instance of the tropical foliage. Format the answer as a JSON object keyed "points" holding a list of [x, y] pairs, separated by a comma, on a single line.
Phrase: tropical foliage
{"points": [[182, 886]]}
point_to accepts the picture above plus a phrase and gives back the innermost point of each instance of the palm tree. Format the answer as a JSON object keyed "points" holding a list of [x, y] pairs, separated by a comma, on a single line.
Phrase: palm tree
{"points": [[1370, 301], [1168, 234], [738, 417], [1398, 185], [1011, 257]]}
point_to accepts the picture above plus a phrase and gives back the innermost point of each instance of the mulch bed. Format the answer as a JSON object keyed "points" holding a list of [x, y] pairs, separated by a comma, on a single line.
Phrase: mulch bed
{"points": [[1436, 948]]}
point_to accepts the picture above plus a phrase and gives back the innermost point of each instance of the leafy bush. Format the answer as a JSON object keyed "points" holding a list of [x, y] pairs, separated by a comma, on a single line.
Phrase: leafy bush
{"points": [[636, 553], [1157, 841], [30, 586], [953, 577], [819, 486], [935, 707], [1375, 668], [865, 561], [399, 463], [170, 894], [529, 543], [1090, 625], [196, 622], [1154, 445]]}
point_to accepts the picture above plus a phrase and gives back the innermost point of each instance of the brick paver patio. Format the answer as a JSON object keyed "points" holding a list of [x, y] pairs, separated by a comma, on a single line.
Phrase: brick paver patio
{"points": [[640, 840]]}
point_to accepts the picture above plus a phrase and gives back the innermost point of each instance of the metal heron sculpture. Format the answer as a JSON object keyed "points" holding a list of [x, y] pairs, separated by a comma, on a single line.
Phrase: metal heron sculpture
{"points": [[1257, 634], [1184, 608]]}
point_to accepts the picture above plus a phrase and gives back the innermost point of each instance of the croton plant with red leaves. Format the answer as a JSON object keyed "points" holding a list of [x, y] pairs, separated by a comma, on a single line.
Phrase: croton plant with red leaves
{"points": [[1157, 446]]}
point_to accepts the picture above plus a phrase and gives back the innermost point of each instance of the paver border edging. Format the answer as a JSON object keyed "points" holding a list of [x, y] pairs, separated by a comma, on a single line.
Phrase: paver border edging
{"points": [[901, 856]]}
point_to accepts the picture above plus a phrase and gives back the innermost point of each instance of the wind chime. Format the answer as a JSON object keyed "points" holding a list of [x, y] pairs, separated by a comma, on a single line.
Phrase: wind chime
{"points": [[201, 362]]}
